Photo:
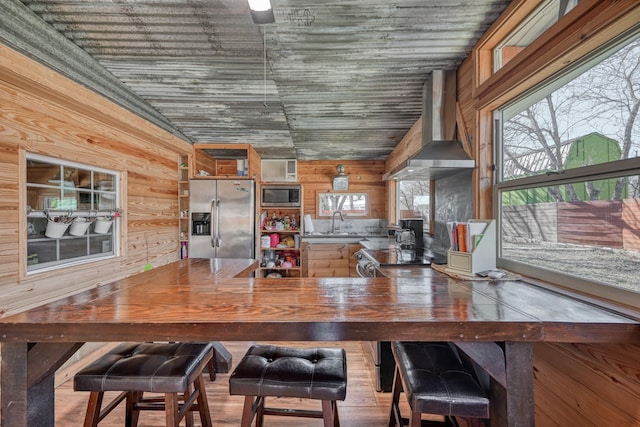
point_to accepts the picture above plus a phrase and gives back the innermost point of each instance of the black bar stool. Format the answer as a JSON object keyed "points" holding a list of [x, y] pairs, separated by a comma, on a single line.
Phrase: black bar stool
{"points": [[315, 373], [174, 369], [435, 382]]}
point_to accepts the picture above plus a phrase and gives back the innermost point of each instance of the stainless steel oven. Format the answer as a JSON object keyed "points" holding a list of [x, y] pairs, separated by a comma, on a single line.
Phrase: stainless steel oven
{"points": [[367, 266], [378, 352], [381, 358]]}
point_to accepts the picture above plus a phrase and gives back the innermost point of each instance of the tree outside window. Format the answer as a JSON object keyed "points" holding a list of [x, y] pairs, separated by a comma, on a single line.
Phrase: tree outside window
{"points": [[570, 161], [414, 201]]}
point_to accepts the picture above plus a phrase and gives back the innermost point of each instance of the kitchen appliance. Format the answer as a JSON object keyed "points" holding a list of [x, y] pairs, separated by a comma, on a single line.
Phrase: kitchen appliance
{"points": [[441, 155], [416, 226], [379, 352], [279, 170], [381, 357], [366, 266], [406, 239], [370, 264], [280, 195], [222, 218], [371, 261]]}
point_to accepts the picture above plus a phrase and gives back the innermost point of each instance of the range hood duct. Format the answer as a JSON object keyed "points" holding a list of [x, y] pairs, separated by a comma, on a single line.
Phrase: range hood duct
{"points": [[440, 155]]}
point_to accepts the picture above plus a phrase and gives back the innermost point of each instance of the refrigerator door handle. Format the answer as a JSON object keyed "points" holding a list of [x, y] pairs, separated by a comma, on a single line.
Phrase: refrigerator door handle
{"points": [[213, 223], [217, 238]]}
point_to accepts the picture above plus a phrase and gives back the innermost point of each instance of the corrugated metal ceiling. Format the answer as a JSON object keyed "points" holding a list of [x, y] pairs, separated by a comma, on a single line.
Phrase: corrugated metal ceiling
{"points": [[343, 79]]}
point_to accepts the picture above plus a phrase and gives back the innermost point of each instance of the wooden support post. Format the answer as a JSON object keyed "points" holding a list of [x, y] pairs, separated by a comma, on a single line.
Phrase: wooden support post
{"points": [[13, 371]]}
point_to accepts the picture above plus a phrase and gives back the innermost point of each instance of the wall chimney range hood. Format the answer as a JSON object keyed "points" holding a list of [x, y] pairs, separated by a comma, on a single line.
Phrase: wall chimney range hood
{"points": [[440, 155]]}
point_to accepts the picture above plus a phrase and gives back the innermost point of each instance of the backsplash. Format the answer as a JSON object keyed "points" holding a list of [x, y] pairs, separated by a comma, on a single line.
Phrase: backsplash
{"points": [[453, 201], [375, 226]]}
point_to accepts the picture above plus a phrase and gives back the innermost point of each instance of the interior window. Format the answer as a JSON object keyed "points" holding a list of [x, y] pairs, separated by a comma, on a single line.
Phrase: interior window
{"points": [[568, 190], [414, 201], [72, 213]]}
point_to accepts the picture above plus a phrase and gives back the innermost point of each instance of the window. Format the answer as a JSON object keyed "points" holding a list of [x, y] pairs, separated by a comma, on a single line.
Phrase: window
{"points": [[351, 204], [413, 201], [71, 210], [543, 17], [568, 189]]}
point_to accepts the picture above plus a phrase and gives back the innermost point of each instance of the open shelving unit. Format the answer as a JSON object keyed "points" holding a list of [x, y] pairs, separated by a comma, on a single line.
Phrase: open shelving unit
{"points": [[183, 203], [279, 242]]}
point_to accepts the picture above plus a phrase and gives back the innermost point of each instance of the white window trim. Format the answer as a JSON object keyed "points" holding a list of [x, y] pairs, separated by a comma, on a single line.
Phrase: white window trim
{"points": [[116, 230]]}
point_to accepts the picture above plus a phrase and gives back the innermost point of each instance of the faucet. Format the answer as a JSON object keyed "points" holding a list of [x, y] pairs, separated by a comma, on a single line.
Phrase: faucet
{"points": [[333, 221]]}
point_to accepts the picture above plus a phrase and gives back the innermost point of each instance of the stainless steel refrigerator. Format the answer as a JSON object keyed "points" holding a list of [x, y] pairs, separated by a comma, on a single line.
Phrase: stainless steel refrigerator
{"points": [[222, 218]]}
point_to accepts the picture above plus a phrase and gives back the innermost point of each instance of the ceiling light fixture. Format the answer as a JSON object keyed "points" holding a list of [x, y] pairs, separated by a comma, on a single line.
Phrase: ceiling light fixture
{"points": [[261, 12]]}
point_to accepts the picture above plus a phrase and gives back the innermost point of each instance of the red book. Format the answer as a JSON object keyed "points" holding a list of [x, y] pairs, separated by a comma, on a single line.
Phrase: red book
{"points": [[462, 238]]}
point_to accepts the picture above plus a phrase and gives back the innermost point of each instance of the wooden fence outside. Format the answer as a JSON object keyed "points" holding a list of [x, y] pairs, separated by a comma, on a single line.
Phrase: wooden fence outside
{"points": [[608, 223]]}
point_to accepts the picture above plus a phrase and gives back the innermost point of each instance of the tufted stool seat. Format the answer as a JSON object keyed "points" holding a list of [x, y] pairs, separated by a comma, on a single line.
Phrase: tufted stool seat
{"points": [[435, 382], [313, 373], [174, 369]]}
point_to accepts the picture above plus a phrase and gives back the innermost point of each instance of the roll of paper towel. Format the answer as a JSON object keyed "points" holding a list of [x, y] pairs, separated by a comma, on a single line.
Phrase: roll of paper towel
{"points": [[308, 224]]}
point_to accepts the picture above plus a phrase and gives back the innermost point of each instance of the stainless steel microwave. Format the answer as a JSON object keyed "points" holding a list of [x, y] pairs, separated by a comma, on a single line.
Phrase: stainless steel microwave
{"points": [[280, 195]]}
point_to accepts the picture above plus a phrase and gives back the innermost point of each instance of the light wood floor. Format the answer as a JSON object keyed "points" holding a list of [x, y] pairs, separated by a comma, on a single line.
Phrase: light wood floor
{"points": [[363, 407]]}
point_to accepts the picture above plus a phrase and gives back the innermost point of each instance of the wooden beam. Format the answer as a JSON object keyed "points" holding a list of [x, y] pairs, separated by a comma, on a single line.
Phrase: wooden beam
{"points": [[46, 358]]}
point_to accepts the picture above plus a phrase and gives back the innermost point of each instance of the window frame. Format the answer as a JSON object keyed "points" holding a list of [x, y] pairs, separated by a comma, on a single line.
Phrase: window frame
{"points": [[612, 169], [115, 231]]}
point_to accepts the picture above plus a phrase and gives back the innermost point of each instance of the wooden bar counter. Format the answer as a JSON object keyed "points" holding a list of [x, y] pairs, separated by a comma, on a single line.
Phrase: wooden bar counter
{"points": [[190, 301]]}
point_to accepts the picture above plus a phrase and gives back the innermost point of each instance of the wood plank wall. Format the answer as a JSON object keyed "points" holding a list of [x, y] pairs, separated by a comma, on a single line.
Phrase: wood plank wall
{"points": [[45, 113], [364, 177], [575, 385]]}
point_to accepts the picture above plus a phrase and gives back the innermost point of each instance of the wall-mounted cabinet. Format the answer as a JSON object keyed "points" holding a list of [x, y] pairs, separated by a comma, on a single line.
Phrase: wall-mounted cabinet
{"points": [[237, 161]]}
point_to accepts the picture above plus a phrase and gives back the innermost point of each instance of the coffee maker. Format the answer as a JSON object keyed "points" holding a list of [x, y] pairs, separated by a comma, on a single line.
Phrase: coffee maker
{"points": [[415, 225]]}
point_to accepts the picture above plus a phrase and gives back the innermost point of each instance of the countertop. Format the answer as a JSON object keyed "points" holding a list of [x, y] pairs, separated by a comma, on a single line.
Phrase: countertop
{"points": [[413, 272]]}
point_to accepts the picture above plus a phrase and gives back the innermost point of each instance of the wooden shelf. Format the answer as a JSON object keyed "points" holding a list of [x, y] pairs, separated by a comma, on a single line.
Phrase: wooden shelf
{"points": [[268, 254], [183, 202]]}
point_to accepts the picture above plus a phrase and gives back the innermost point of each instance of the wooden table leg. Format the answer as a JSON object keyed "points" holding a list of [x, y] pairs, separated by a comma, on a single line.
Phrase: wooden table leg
{"points": [[513, 405], [13, 371], [520, 406], [28, 381], [510, 366]]}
